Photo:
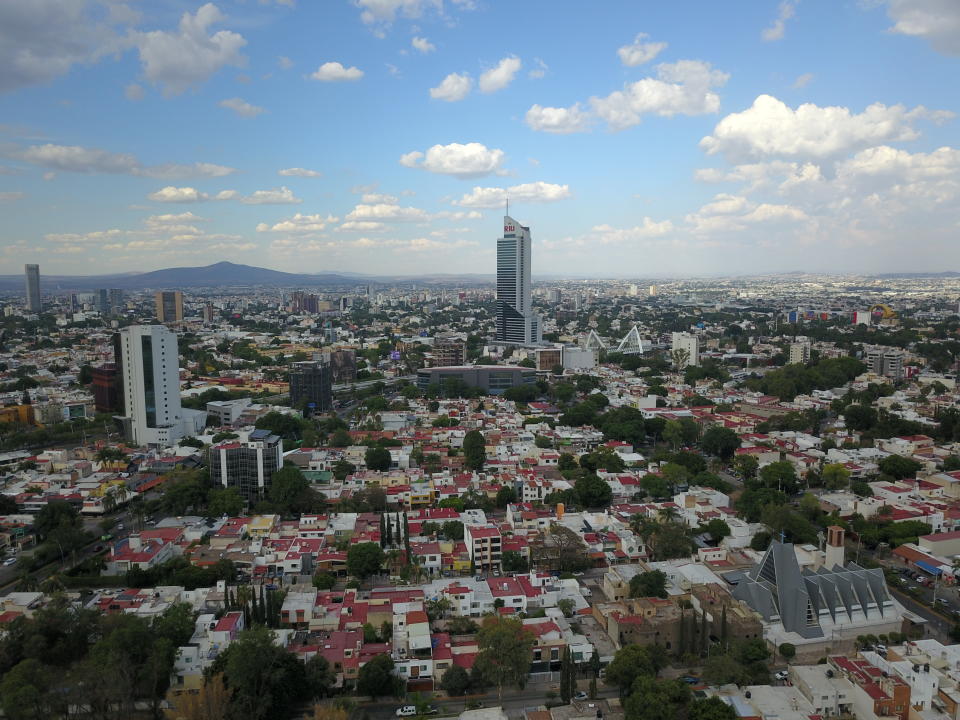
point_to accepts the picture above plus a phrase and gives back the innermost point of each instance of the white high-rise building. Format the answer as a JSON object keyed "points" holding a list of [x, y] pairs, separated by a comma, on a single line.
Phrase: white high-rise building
{"points": [[689, 347], [150, 368], [517, 324]]}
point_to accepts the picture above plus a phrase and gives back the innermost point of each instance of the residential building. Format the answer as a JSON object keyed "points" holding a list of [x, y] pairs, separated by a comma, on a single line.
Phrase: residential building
{"points": [[799, 353], [169, 306], [149, 367], [32, 273], [686, 349], [493, 379], [516, 322], [311, 385], [247, 466], [484, 546], [885, 362], [448, 351]]}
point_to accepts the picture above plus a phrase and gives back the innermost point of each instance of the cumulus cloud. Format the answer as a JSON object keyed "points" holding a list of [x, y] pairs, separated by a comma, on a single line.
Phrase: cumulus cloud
{"points": [[276, 196], [299, 172], [298, 224], [336, 72], [171, 194], [640, 51], [467, 160], [241, 107], [455, 87], [492, 197], [802, 81], [497, 78], [558, 120], [771, 128], [735, 213], [361, 226], [648, 228], [681, 88], [188, 56], [382, 13], [936, 21], [539, 70], [378, 198], [386, 212], [786, 10], [73, 158], [422, 45]]}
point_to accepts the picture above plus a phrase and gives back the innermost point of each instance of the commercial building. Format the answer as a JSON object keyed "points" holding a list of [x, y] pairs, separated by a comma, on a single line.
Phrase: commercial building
{"points": [[105, 385], [32, 273], [149, 367], [686, 349], [493, 379], [799, 353], [311, 386], [884, 362], [516, 322], [448, 351], [169, 306], [247, 466], [548, 358]]}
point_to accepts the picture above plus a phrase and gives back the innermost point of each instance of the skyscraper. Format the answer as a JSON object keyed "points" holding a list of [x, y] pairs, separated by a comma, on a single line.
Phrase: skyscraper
{"points": [[311, 385], [150, 370], [33, 287], [169, 306], [517, 324]]}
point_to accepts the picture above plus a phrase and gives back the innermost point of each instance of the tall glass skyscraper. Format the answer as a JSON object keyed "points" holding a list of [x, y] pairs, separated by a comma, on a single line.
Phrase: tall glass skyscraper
{"points": [[33, 287], [517, 324]]}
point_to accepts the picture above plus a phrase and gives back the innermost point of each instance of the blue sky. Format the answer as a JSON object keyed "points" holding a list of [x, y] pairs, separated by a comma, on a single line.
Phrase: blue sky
{"points": [[635, 138]]}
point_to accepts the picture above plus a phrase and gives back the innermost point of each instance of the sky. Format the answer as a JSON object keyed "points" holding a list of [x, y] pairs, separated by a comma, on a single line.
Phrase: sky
{"points": [[636, 138]]}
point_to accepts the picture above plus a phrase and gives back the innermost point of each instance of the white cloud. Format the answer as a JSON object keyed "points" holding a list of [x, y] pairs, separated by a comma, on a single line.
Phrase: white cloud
{"points": [[336, 72], [168, 219], [284, 62], [241, 107], [497, 78], [385, 212], [539, 71], [776, 30], [73, 158], [802, 81], [557, 119], [900, 164], [459, 215], [770, 128], [736, 213], [422, 45], [608, 235], [175, 170], [43, 39], [134, 92], [171, 194], [361, 226], [492, 197], [377, 198], [681, 88], [382, 13], [188, 56], [275, 196], [299, 172], [298, 224], [640, 52], [454, 87], [461, 160], [937, 21], [10, 196]]}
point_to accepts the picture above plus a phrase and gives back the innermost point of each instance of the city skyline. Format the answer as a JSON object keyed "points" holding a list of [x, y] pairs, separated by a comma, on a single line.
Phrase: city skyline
{"points": [[383, 137]]}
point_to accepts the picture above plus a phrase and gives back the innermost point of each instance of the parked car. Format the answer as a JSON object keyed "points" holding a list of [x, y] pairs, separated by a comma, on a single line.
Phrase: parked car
{"points": [[782, 675], [9, 561], [690, 679], [406, 711], [943, 601], [580, 695]]}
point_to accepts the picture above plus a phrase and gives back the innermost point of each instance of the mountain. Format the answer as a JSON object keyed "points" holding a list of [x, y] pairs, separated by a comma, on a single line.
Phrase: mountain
{"points": [[221, 274], [918, 275]]}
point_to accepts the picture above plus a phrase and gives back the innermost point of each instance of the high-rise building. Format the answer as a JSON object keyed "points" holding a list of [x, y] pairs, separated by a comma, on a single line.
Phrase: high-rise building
{"points": [[686, 349], [311, 385], [448, 351], [105, 386], [33, 287], [653, 291], [517, 324], [799, 353], [116, 300], [103, 301], [150, 371], [884, 362], [169, 306], [247, 466]]}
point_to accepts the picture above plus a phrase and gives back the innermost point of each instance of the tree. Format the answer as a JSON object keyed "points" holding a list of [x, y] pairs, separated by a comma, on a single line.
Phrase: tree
{"points": [[899, 467], [630, 662], [779, 476], [456, 681], [505, 496], [376, 677], [340, 438], [452, 530], [377, 458], [834, 476], [711, 708], [25, 691], [566, 606], [720, 441], [746, 466], [592, 491], [211, 701], [649, 584], [342, 468], [568, 682], [505, 652], [290, 491], [671, 540], [717, 529], [225, 501], [787, 651], [655, 486], [365, 559], [324, 581], [474, 450], [56, 515]]}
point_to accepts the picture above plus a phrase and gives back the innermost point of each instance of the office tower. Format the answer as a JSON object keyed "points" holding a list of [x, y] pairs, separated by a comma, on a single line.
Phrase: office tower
{"points": [[685, 349], [103, 301], [448, 351], [517, 324], [799, 353], [149, 369], [653, 291], [886, 363], [169, 306], [311, 387], [247, 466], [208, 314], [555, 296], [578, 301], [116, 300], [33, 287], [105, 386]]}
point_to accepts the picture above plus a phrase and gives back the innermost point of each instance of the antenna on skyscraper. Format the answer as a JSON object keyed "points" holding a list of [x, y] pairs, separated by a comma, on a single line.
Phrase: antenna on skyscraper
{"points": [[508, 207]]}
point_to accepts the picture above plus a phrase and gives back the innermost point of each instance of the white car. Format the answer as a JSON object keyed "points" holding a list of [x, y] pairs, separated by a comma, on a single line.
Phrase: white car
{"points": [[782, 675], [406, 711], [9, 561]]}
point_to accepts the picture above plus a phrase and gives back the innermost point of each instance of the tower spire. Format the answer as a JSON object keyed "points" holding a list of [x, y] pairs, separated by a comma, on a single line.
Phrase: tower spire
{"points": [[508, 207]]}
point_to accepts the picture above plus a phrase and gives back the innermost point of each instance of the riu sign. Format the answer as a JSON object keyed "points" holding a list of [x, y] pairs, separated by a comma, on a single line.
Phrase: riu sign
{"points": [[509, 228]]}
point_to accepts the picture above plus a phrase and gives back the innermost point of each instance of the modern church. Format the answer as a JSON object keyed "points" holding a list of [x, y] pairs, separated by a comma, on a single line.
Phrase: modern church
{"points": [[517, 324]]}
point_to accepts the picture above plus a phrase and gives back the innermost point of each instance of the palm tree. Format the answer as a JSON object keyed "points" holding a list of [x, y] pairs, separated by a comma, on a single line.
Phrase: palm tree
{"points": [[668, 514], [109, 502]]}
